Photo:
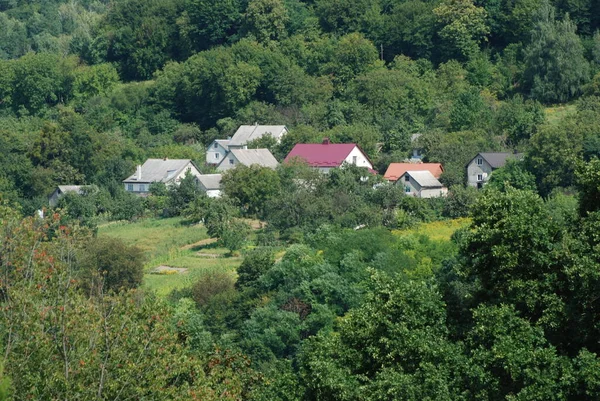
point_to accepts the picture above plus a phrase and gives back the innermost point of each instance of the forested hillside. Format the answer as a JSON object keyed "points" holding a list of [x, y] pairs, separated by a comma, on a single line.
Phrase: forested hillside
{"points": [[342, 292]]}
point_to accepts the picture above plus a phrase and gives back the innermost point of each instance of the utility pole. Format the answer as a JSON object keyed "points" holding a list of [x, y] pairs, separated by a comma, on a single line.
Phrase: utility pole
{"points": [[381, 47]]}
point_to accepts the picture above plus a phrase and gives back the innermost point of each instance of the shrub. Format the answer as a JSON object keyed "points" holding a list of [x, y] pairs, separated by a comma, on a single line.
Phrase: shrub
{"points": [[210, 285]]}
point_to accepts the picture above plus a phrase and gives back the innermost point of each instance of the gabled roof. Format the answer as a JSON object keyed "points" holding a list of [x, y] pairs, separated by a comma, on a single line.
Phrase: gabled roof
{"points": [[248, 157], [322, 154], [425, 179], [497, 159], [247, 133], [71, 188], [397, 170], [159, 170], [223, 142], [210, 181]]}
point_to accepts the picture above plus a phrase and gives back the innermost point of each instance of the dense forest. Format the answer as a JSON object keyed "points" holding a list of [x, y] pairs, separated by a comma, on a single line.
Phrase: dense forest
{"points": [[329, 302]]}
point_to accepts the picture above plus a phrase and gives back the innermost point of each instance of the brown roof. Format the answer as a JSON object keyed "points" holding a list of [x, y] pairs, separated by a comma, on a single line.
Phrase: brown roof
{"points": [[397, 170]]}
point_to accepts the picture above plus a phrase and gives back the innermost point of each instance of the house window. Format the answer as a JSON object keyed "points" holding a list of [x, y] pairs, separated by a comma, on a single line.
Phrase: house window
{"points": [[142, 188], [479, 161], [354, 159], [130, 187], [217, 155], [406, 189], [216, 145], [231, 161], [479, 177], [406, 178]]}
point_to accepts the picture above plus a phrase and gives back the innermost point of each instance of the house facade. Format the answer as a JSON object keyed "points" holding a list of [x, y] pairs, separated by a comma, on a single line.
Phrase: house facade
{"points": [[483, 164], [326, 156], [248, 157], [217, 151], [421, 184], [210, 184], [168, 171]]}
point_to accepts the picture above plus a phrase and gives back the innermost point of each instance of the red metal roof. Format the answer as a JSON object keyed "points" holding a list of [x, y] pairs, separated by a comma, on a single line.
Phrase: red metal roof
{"points": [[322, 154]]}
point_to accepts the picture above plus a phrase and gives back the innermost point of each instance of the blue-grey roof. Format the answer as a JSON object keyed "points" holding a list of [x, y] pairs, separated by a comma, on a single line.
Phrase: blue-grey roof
{"points": [[158, 170], [210, 181], [247, 133], [425, 179]]}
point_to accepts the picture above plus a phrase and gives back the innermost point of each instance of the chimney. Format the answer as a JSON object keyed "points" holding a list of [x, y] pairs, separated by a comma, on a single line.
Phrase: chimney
{"points": [[326, 141], [138, 173]]}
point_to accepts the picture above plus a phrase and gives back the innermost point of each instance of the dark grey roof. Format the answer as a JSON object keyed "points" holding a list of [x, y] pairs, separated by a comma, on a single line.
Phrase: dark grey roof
{"points": [[425, 179], [223, 142], [158, 170], [248, 157], [210, 181], [247, 133], [498, 159]]}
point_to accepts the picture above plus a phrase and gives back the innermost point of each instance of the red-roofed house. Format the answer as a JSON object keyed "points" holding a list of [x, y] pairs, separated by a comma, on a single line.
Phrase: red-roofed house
{"points": [[397, 170], [326, 155]]}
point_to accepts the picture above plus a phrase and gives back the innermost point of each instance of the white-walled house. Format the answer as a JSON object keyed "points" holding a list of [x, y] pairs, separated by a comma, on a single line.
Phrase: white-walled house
{"points": [[248, 157], [481, 166], [422, 184], [248, 133], [168, 171], [216, 151], [210, 184], [325, 156]]}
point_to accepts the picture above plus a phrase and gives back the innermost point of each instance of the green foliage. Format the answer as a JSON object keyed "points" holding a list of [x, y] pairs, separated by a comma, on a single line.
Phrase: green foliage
{"points": [[514, 175], [211, 284], [234, 235], [556, 69], [255, 264], [464, 26], [251, 187], [108, 264]]}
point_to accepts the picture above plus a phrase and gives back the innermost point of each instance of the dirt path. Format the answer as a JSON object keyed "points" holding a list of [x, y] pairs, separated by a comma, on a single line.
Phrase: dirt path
{"points": [[162, 269], [206, 241]]}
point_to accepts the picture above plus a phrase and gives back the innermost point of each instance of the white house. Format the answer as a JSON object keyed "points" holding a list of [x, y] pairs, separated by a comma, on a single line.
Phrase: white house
{"points": [[248, 157], [216, 151], [422, 184], [168, 171], [325, 156], [481, 166], [248, 133], [210, 184]]}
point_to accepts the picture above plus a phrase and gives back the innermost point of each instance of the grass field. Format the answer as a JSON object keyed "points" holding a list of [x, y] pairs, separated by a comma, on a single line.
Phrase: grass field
{"points": [[172, 244], [437, 230], [555, 114]]}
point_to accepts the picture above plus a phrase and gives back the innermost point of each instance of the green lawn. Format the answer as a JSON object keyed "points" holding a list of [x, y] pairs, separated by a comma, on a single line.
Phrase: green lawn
{"points": [[437, 230], [557, 113], [170, 242]]}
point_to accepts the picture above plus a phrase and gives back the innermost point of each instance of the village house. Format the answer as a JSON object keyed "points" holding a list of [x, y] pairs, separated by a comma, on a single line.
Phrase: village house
{"points": [[210, 184], [249, 133], [217, 151], [167, 171], [248, 157], [326, 155], [481, 166], [422, 184], [61, 190], [397, 170]]}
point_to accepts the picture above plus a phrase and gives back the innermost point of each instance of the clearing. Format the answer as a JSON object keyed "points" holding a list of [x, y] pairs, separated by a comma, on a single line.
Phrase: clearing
{"points": [[177, 254]]}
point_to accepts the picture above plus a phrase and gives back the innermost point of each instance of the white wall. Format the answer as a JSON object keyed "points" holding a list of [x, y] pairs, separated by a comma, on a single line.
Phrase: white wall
{"points": [[213, 151], [361, 160], [473, 170], [191, 168], [213, 193]]}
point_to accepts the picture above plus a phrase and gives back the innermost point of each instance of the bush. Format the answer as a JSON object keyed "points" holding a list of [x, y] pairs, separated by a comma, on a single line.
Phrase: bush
{"points": [[210, 285], [254, 265], [108, 264]]}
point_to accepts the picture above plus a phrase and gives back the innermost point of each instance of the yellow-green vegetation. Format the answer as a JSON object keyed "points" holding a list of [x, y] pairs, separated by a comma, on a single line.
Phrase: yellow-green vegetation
{"points": [[555, 114], [181, 252], [437, 230]]}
